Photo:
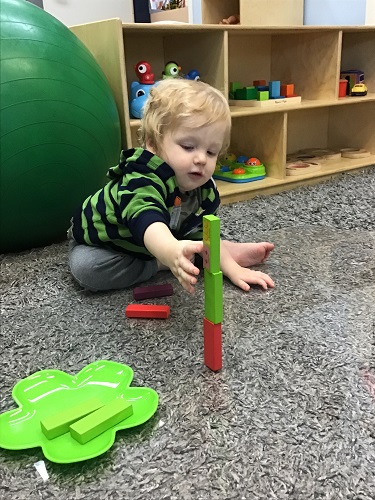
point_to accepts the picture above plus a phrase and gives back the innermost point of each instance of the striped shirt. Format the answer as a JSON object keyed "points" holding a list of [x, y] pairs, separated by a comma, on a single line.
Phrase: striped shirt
{"points": [[141, 190]]}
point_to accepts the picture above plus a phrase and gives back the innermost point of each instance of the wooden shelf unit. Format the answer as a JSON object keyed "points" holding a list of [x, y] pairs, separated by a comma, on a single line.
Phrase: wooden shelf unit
{"points": [[310, 57]]}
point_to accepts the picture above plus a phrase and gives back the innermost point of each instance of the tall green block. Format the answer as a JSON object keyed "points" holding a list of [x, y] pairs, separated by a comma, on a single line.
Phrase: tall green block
{"points": [[211, 242], [213, 296]]}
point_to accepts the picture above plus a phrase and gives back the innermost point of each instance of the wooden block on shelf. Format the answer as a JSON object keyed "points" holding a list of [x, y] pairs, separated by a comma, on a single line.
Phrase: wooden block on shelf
{"points": [[258, 83], [96, 423], [287, 89], [274, 89], [263, 95], [355, 153], [246, 93], [233, 86], [302, 167]]}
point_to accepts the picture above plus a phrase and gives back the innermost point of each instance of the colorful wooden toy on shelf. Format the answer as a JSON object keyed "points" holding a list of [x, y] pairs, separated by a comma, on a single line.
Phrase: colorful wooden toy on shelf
{"points": [[300, 167], [239, 169], [260, 94], [213, 293], [355, 153], [323, 155], [314, 154], [139, 90]]}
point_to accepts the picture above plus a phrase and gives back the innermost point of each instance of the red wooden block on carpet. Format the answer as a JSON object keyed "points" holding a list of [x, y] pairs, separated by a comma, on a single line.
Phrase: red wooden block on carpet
{"points": [[147, 311]]}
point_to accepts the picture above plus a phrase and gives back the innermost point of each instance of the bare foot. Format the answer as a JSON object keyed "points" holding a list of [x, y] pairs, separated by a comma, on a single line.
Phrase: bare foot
{"points": [[249, 254]]}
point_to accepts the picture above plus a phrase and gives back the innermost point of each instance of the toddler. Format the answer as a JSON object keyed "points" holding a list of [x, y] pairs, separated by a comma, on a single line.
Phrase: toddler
{"points": [[149, 216]]}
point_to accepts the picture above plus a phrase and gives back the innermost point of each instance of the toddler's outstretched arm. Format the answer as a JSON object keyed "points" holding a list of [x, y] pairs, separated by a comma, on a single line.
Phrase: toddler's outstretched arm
{"points": [[176, 255]]}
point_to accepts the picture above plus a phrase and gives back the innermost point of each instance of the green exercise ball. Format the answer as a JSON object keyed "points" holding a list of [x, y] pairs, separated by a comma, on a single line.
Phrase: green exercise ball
{"points": [[60, 129]]}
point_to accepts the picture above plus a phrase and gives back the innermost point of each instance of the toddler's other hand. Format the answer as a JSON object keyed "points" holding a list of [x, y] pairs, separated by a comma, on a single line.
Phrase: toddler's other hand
{"points": [[242, 277]]}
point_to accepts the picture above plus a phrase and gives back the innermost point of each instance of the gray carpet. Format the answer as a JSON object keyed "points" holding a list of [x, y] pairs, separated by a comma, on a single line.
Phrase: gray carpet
{"points": [[292, 413]]}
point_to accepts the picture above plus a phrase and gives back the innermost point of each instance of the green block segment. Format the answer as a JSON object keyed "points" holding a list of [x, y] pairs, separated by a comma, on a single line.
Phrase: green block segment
{"points": [[211, 239], [246, 93], [213, 296], [59, 424], [233, 86], [101, 420], [263, 95]]}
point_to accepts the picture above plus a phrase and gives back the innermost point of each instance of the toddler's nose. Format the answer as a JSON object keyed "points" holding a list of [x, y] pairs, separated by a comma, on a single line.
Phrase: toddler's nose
{"points": [[200, 158]]}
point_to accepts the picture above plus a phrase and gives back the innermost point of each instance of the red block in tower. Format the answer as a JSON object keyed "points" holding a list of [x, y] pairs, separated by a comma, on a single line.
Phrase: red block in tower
{"points": [[213, 356]]}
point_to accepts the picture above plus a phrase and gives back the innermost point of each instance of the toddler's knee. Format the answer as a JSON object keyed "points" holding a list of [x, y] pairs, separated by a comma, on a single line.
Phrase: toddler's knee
{"points": [[84, 277], [84, 271]]}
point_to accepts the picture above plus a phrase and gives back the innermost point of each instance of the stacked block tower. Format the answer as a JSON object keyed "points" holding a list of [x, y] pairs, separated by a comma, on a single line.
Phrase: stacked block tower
{"points": [[213, 293]]}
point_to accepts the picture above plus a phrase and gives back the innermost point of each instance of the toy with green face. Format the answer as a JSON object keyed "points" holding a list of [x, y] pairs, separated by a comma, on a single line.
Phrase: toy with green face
{"points": [[171, 70]]}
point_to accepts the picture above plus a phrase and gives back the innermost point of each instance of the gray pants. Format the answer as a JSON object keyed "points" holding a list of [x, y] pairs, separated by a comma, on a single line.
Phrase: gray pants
{"points": [[98, 268]]}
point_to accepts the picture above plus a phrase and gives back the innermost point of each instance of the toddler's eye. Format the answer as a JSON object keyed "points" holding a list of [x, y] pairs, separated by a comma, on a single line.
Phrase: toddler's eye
{"points": [[186, 147], [211, 153]]}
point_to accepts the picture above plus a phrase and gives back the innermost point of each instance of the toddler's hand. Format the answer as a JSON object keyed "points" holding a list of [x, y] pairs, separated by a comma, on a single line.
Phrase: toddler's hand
{"points": [[176, 255], [242, 277], [181, 265]]}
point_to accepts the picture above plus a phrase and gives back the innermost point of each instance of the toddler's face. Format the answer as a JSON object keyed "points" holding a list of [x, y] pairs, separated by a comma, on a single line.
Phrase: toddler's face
{"points": [[192, 153]]}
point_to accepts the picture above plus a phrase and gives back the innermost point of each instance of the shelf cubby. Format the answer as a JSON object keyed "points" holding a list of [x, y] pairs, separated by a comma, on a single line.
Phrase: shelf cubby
{"points": [[358, 52], [309, 59]]}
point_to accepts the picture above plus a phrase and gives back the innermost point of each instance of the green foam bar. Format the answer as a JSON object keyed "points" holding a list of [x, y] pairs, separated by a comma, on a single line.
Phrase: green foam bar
{"points": [[101, 420], [59, 424]]}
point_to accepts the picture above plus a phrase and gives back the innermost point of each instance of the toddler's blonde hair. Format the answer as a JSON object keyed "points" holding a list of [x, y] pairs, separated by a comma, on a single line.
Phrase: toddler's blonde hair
{"points": [[176, 102]]}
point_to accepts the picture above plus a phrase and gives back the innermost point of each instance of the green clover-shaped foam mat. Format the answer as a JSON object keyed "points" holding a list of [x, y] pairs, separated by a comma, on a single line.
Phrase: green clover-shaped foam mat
{"points": [[47, 392]]}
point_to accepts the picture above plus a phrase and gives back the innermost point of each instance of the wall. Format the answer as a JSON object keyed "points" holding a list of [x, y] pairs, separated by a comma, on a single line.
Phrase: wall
{"points": [[71, 12], [335, 12]]}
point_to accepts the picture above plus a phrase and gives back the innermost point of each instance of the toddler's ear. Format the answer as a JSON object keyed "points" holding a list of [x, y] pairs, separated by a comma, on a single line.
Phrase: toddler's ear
{"points": [[150, 147]]}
